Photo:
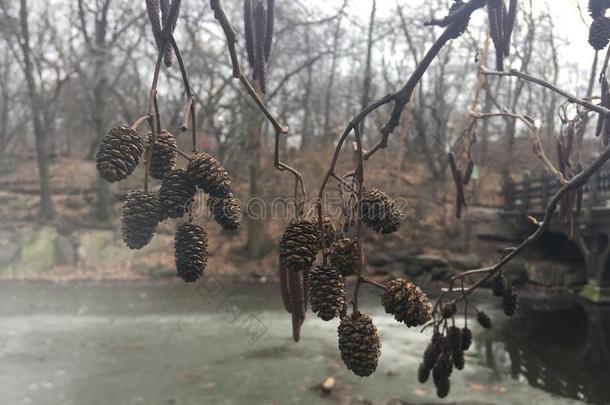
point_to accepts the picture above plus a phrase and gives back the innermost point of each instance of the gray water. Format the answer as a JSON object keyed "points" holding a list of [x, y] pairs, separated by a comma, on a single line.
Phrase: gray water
{"points": [[230, 344]]}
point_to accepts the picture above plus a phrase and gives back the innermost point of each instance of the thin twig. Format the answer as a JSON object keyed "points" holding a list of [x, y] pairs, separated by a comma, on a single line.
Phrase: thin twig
{"points": [[280, 129], [572, 98], [576, 182]]}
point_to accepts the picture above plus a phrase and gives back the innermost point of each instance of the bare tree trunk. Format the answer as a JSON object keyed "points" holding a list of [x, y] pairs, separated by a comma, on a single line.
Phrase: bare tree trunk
{"points": [[257, 238], [331, 80], [306, 126], [46, 203], [366, 87], [98, 48]]}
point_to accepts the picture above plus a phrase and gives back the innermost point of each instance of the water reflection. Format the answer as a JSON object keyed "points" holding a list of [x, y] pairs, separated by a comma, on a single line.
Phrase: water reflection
{"points": [[563, 350]]}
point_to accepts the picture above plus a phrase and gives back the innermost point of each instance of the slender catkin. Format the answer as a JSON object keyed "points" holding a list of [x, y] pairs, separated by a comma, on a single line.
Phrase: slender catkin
{"points": [[270, 26], [260, 27], [152, 7], [249, 32], [168, 54], [297, 299], [285, 292], [509, 25]]}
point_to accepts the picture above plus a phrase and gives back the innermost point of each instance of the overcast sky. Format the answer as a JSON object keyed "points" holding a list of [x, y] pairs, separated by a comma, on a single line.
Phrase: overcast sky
{"points": [[574, 31]]}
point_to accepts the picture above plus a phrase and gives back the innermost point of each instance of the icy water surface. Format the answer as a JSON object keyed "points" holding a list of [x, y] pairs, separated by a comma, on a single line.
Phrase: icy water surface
{"points": [[230, 344]]}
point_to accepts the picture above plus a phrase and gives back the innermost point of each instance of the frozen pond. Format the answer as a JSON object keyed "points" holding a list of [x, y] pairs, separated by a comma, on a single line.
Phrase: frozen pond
{"points": [[230, 344]]}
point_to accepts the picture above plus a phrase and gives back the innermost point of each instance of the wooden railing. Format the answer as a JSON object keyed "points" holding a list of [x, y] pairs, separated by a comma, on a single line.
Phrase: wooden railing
{"points": [[534, 192]]}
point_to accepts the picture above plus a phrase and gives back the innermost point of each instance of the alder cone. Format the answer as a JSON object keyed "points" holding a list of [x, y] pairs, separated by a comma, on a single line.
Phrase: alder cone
{"points": [[226, 211], [299, 245], [119, 154], [379, 211], [449, 311], [326, 287], [344, 256], [330, 231], [464, 26], [176, 193], [190, 251], [163, 159], [433, 350], [599, 32], [440, 374], [139, 219], [207, 173], [510, 301], [499, 285], [597, 8], [484, 320], [407, 302], [466, 338], [443, 387], [359, 344], [423, 373]]}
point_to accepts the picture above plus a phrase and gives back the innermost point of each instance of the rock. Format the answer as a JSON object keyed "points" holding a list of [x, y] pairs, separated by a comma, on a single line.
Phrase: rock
{"points": [[551, 274], [428, 260], [466, 262], [516, 271], [575, 278], [379, 259], [328, 385]]}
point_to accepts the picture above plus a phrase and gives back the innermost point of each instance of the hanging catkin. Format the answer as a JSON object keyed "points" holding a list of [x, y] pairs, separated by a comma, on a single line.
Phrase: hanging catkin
{"points": [[260, 27]]}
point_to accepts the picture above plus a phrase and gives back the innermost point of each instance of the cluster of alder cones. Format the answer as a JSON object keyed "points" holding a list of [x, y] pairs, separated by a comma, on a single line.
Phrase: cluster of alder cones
{"points": [[323, 286], [445, 352], [599, 31], [121, 151]]}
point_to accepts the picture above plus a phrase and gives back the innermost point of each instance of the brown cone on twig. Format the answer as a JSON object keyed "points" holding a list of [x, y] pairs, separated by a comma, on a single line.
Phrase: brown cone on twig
{"points": [[163, 159], [226, 211], [359, 344], [330, 231], [484, 320], [407, 302], [176, 193], [599, 32], [423, 373], [299, 245], [499, 285], [119, 154], [449, 310], [440, 375], [191, 251], [326, 291], [344, 256], [379, 211], [139, 219], [466, 338], [597, 8], [208, 174], [510, 301]]}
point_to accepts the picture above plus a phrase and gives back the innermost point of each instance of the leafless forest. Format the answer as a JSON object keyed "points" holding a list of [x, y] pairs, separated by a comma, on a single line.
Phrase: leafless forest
{"points": [[436, 111]]}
